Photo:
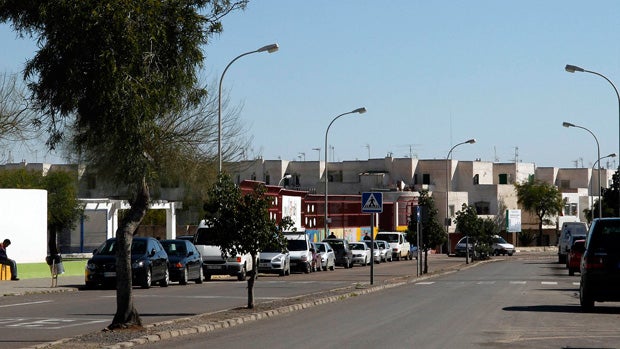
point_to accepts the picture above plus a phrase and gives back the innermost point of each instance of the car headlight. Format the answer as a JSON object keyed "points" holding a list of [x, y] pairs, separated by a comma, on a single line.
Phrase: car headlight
{"points": [[91, 266], [137, 264], [304, 258], [277, 259]]}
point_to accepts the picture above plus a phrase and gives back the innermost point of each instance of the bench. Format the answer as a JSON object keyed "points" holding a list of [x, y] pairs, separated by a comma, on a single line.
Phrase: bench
{"points": [[5, 272]]}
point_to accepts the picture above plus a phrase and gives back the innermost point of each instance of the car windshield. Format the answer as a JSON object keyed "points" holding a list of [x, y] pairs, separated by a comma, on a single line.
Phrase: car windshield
{"points": [[205, 236], [337, 244], [389, 237], [499, 240], [320, 247], [357, 246], [368, 243], [175, 248], [108, 248], [297, 245]]}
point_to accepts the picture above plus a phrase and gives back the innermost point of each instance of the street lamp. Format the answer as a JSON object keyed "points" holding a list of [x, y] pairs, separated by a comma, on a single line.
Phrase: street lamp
{"points": [[447, 221], [361, 110], [318, 150], [269, 48], [573, 68], [600, 204], [598, 156], [286, 176]]}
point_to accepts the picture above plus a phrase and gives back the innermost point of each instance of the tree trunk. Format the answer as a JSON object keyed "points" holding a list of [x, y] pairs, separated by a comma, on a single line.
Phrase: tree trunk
{"points": [[52, 246], [126, 314], [540, 232], [425, 261], [251, 280]]}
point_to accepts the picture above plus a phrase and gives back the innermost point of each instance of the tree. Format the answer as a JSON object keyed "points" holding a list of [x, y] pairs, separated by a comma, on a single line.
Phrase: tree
{"points": [[110, 88], [609, 198], [241, 223], [433, 233], [541, 199], [16, 115]]}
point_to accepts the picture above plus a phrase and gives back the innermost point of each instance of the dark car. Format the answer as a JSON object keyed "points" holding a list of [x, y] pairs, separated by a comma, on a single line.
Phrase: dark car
{"points": [[342, 251], [600, 264], [149, 264], [185, 262], [460, 250]]}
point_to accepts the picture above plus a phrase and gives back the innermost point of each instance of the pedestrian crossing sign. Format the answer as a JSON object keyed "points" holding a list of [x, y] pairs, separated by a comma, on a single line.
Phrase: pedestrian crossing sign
{"points": [[372, 202]]}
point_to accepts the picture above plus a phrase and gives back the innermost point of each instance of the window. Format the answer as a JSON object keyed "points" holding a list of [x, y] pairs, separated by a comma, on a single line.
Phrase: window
{"points": [[415, 179], [476, 179], [450, 210], [267, 179], [482, 207], [564, 183], [253, 176], [426, 178], [503, 178], [570, 209]]}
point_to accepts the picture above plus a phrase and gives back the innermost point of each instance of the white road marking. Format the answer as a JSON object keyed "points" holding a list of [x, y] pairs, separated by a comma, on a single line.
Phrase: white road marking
{"points": [[518, 282], [425, 283], [18, 304], [548, 282], [576, 283], [485, 282], [46, 323]]}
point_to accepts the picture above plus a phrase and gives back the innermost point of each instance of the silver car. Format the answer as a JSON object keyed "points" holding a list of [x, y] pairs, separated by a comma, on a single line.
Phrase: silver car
{"points": [[386, 250], [376, 250], [328, 259], [361, 253]]}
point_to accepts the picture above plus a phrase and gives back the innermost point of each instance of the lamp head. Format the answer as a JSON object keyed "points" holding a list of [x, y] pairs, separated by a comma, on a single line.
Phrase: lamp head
{"points": [[269, 48], [612, 155], [361, 110], [287, 176], [573, 68], [471, 141], [567, 124]]}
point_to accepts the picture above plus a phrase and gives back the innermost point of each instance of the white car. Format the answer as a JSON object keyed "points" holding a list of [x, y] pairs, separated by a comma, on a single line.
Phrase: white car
{"points": [[361, 253], [377, 250], [501, 246], [274, 262], [386, 250], [328, 259]]}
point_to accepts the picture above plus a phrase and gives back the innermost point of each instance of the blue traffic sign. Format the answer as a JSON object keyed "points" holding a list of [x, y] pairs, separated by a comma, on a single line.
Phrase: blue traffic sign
{"points": [[372, 202]]}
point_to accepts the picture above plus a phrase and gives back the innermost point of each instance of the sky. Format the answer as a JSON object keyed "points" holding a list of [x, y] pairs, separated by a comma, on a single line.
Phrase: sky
{"points": [[431, 74]]}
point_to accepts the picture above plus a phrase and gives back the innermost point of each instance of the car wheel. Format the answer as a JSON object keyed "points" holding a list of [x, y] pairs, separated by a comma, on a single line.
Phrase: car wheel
{"points": [[585, 298], [200, 276], [184, 276], [510, 253], [147, 280], [571, 271], [333, 266], [346, 264], [90, 285], [166, 280], [308, 268], [242, 274]]}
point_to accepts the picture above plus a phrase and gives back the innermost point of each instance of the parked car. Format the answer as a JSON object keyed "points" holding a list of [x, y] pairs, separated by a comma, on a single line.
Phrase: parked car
{"points": [[273, 260], [342, 251], [186, 237], [376, 250], [184, 260], [398, 242], [570, 232], [386, 250], [501, 246], [460, 250], [299, 246], [600, 264], [326, 252], [574, 256], [149, 264], [361, 253]]}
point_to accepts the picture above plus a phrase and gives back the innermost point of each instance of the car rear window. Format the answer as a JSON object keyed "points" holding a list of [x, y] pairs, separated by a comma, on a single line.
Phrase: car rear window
{"points": [[605, 236], [388, 237], [205, 236], [297, 245]]}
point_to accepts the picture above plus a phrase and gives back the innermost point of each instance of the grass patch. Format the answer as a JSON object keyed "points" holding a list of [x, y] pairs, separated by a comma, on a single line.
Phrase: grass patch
{"points": [[42, 270]]}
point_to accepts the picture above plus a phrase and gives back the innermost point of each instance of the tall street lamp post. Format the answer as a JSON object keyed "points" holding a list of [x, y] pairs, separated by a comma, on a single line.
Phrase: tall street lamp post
{"points": [[573, 68], [600, 203], [269, 48], [447, 221], [598, 156], [361, 110]]}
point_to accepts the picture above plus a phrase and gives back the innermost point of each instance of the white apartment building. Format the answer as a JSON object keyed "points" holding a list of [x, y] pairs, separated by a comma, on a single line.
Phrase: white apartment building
{"points": [[488, 186]]}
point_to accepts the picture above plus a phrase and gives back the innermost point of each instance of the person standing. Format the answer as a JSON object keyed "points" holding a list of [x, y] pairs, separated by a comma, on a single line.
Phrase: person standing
{"points": [[4, 259]]}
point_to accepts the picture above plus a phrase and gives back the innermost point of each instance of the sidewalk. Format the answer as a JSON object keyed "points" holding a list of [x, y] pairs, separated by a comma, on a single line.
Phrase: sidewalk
{"points": [[40, 285]]}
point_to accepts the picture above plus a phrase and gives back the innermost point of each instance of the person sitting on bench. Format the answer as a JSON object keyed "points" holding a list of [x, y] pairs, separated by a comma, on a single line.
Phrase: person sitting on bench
{"points": [[4, 259]]}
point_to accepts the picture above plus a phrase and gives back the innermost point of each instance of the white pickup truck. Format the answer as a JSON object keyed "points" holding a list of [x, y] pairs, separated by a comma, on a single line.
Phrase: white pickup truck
{"points": [[399, 244], [212, 261]]}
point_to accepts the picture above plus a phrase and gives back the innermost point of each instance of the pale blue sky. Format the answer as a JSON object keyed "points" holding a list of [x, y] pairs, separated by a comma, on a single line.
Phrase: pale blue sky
{"points": [[430, 73]]}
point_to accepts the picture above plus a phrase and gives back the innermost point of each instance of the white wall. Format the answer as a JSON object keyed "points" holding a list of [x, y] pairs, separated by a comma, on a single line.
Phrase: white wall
{"points": [[23, 220]]}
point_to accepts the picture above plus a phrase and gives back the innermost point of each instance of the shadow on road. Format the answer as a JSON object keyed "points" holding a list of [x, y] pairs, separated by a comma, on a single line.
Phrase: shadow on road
{"points": [[562, 309]]}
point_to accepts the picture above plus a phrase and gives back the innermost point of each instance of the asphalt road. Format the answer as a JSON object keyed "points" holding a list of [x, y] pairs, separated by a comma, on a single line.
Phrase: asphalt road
{"points": [[516, 303], [33, 319]]}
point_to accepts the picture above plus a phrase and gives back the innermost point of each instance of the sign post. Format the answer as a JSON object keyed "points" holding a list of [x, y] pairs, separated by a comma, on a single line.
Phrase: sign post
{"points": [[372, 202]]}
